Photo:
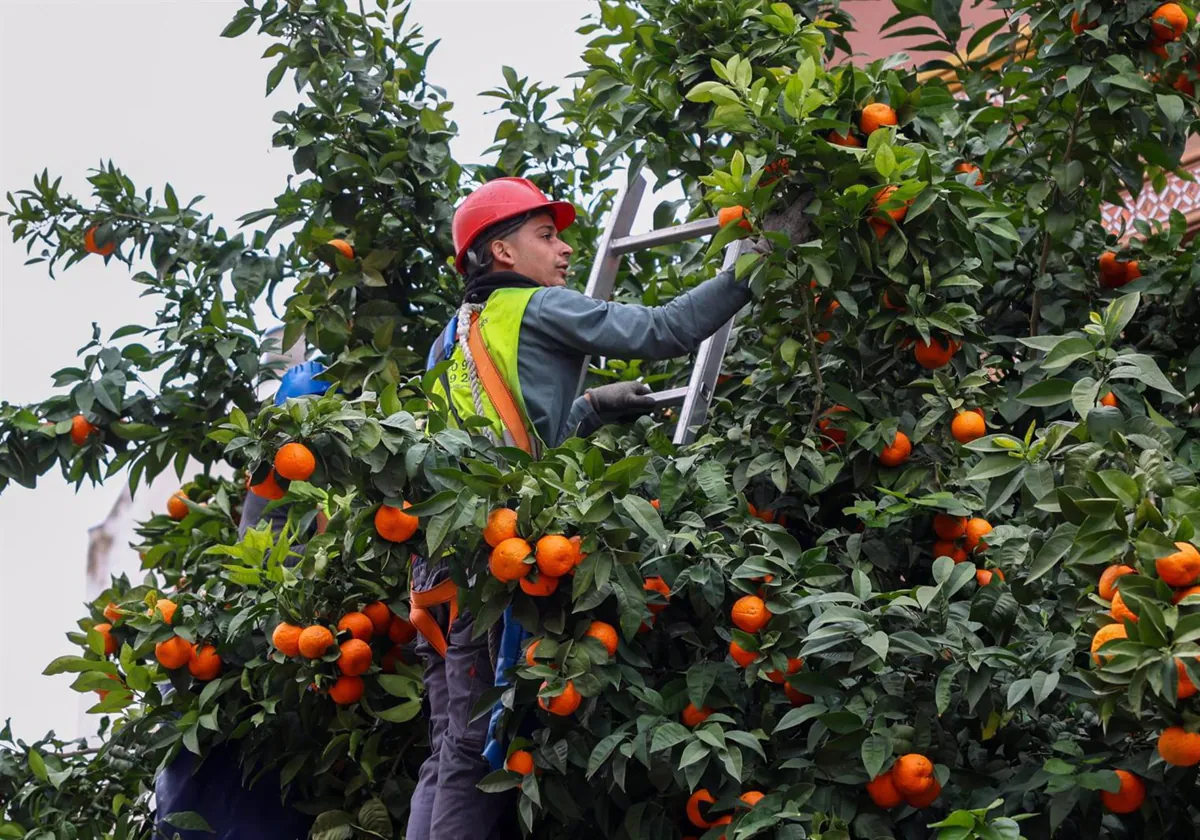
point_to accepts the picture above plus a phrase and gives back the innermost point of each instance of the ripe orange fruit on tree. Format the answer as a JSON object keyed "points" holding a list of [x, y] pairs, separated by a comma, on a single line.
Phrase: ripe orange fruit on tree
{"points": [[1181, 568], [531, 652], [924, 800], [984, 576], [359, 625], [605, 633], [521, 762], [977, 529], [1129, 798], [1079, 27], [1184, 688], [1184, 593], [794, 665], [314, 641], [507, 561], [501, 526], [268, 488], [751, 798], [897, 452], [295, 462], [912, 774], [541, 587], [657, 584], [883, 792], [796, 696], [564, 704], [555, 555], [380, 615], [347, 690], [204, 664], [394, 525], [967, 426], [767, 516], [1106, 634], [286, 639], [89, 243], [401, 631], [694, 813], [737, 213], [112, 612], [949, 548], [355, 659], [1115, 273], [970, 167], [949, 527], [740, 655], [1168, 22], [693, 717], [656, 504], [897, 214], [750, 613], [844, 140], [177, 505], [577, 543], [81, 429], [1108, 580], [1179, 747], [1109, 399], [934, 354], [833, 435], [110, 644], [874, 116], [173, 653], [1120, 611], [342, 247], [166, 607]]}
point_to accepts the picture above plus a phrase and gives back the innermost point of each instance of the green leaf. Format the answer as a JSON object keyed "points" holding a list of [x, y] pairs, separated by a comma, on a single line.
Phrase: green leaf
{"points": [[188, 821], [1172, 107], [876, 749], [242, 21], [37, 765], [1047, 392], [603, 750], [403, 713], [646, 517], [1144, 368]]}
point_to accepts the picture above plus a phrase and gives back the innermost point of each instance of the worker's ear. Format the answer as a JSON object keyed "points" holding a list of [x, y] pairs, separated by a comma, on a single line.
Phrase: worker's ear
{"points": [[504, 255]]}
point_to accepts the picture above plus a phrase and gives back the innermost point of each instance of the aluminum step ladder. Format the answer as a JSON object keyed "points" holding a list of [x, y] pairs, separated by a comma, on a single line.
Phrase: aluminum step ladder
{"points": [[615, 242]]}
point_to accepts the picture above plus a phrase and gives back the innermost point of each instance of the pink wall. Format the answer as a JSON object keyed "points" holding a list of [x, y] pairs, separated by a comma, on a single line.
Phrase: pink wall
{"points": [[870, 15]]}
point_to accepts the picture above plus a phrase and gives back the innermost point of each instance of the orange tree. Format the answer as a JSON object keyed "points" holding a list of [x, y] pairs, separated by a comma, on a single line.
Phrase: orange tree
{"points": [[851, 608]]}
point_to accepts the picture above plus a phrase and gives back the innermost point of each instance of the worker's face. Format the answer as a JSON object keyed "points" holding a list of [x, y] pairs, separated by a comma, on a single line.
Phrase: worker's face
{"points": [[535, 251]]}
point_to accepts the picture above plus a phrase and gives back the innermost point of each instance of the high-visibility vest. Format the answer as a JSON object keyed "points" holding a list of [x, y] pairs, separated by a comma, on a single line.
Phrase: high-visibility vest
{"points": [[500, 329]]}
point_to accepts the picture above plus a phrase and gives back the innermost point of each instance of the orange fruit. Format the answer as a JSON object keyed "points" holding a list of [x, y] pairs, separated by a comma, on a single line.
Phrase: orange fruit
{"points": [[1179, 596], [1106, 634], [577, 542], [342, 247], [1115, 272], [694, 803], [844, 140], [751, 797], [347, 690], [1108, 580], [984, 576], [897, 452], [693, 717], [1185, 688], [521, 762], [501, 526], [882, 790], [1179, 747], [268, 488], [1168, 22], [1181, 568], [165, 606], [401, 631], [796, 696], [749, 613], [897, 214], [656, 504], [314, 641], [606, 633], [507, 562], [967, 426], [657, 584], [531, 652], [729, 215], [81, 429], [1129, 798], [177, 505], [355, 659], [394, 525], [740, 655], [174, 653], [949, 527], [112, 612], [204, 664], [935, 354], [924, 800], [874, 116], [1121, 612], [767, 516], [949, 548], [1184, 85], [541, 587], [888, 303], [977, 529], [1109, 399], [286, 639], [380, 615], [295, 462], [110, 644], [794, 665], [564, 704], [912, 774], [555, 555], [359, 625], [833, 435], [1078, 26], [970, 167], [89, 243]]}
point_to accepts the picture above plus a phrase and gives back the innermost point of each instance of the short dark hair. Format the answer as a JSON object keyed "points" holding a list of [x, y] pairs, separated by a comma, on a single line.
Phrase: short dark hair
{"points": [[479, 255]]}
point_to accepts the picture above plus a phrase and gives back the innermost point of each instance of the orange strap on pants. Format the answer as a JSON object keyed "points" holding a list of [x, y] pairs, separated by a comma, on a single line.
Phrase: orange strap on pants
{"points": [[497, 389], [418, 613]]}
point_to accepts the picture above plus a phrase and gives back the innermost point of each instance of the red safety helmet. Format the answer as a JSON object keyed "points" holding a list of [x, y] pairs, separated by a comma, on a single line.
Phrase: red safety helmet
{"points": [[496, 201]]}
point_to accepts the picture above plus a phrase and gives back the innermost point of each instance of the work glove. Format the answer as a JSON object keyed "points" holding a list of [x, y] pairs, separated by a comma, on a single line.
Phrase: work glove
{"points": [[621, 399]]}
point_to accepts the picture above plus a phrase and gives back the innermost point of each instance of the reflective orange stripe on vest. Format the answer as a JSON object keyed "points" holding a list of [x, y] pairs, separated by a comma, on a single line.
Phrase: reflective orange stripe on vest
{"points": [[445, 592], [497, 389]]}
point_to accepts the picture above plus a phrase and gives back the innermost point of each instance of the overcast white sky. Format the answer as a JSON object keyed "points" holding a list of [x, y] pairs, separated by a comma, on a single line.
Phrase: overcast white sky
{"points": [[150, 85]]}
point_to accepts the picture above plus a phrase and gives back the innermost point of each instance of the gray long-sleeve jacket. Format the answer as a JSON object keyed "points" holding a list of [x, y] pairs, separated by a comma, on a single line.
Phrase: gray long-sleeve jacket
{"points": [[560, 327]]}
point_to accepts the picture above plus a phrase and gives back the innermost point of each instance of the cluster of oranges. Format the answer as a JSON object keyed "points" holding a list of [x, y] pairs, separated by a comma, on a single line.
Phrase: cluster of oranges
{"points": [[959, 537], [698, 803], [201, 660], [909, 780], [554, 555], [293, 462], [355, 654], [1115, 272], [751, 615], [568, 701]]}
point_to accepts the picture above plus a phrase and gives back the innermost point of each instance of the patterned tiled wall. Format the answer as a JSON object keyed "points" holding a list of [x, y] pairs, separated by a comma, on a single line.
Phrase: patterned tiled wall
{"points": [[1180, 195]]}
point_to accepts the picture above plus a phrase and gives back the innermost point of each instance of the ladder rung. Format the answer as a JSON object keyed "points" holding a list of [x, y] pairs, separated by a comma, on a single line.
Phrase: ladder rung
{"points": [[664, 236], [675, 396]]}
